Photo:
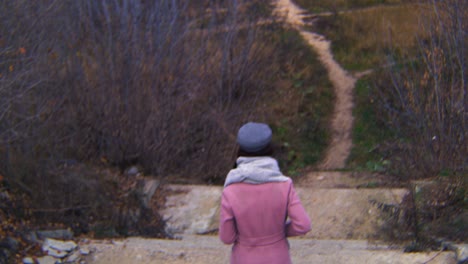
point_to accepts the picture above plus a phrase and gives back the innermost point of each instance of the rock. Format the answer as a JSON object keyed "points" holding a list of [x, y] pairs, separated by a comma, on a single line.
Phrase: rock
{"points": [[55, 253], [60, 245], [191, 209], [462, 253], [146, 190], [63, 234], [132, 171], [72, 258], [85, 251], [47, 260], [57, 248], [28, 260]]}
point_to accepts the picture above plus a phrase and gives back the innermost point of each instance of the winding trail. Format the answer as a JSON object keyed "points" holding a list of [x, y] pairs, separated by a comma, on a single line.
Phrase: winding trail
{"points": [[343, 84]]}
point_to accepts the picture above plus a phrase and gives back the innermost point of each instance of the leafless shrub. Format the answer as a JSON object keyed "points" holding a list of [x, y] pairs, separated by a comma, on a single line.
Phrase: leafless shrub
{"points": [[163, 95], [129, 80], [397, 221], [28, 85], [426, 102], [159, 83], [431, 213]]}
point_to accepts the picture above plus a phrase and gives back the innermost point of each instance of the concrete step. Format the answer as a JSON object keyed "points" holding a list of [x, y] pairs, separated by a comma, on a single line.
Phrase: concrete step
{"points": [[338, 179], [348, 213], [208, 249], [192, 209], [336, 213]]}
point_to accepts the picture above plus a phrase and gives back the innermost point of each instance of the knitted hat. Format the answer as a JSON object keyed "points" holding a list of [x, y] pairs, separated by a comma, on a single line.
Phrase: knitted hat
{"points": [[253, 137]]}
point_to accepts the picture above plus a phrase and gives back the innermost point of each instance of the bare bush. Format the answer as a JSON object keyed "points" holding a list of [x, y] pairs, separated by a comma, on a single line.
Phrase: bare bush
{"points": [[28, 86], [132, 80], [163, 95], [425, 104], [159, 83]]}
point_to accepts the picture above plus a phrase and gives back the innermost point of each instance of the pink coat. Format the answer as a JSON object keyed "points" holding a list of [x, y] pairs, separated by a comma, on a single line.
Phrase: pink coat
{"points": [[253, 218]]}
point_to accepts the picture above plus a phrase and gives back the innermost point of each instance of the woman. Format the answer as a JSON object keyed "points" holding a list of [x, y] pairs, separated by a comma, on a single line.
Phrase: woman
{"points": [[259, 206]]}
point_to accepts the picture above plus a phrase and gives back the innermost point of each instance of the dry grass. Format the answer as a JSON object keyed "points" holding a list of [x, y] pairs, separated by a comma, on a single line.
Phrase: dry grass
{"points": [[362, 38], [384, 26]]}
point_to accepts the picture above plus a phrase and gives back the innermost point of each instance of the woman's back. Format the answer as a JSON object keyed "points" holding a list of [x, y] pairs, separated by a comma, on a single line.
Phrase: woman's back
{"points": [[253, 217], [260, 209], [259, 205]]}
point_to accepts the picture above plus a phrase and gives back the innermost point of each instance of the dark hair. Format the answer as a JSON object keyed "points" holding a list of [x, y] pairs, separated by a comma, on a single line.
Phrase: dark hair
{"points": [[266, 151]]}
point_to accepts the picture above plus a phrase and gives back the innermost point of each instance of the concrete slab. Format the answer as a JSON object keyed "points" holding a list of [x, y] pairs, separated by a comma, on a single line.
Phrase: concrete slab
{"points": [[335, 213], [340, 179], [208, 249], [347, 213], [192, 209]]}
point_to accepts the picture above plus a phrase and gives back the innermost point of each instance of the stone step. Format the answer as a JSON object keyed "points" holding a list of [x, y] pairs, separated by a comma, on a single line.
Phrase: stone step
{"points": [[348, 213], [336, 213], [208, 249], [339, 179], [192, 209]]}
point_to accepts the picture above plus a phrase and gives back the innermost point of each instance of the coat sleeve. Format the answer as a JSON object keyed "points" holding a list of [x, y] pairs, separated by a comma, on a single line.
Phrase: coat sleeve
{"points": [[299, 222], [227, 222]]}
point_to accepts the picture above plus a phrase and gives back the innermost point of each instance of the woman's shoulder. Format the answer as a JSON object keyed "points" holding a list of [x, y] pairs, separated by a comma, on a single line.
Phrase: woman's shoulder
{"points": [[288, 183]]}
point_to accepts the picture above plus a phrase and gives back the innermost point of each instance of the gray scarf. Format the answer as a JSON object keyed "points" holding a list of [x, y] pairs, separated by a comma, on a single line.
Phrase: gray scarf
{"points": [[255, 170]]}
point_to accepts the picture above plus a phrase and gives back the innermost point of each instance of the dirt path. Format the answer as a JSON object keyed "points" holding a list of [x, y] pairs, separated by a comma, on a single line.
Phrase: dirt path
{"points": [[343, 84]]}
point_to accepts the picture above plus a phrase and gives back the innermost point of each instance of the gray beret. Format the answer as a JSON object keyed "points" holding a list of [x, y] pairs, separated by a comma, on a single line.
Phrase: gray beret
{"points": [[253, 137]]}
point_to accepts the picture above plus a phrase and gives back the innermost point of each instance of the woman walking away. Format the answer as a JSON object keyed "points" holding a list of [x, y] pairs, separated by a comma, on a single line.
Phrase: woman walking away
{"points": [[259, 206]]}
